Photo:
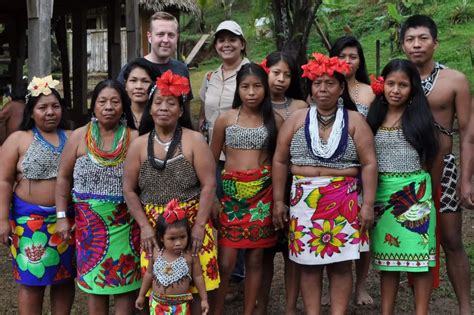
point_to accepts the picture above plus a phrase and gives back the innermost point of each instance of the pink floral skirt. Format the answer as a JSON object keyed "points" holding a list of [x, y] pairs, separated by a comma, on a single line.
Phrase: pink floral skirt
{"points": [[324, 227]]}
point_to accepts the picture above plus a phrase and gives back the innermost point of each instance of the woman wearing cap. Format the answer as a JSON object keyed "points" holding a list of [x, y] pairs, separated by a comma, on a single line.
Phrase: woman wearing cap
{"points": [[218, 89]]}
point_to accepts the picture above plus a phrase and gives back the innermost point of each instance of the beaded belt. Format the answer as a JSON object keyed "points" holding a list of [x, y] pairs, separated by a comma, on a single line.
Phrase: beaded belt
{"points": [[172, 299]]}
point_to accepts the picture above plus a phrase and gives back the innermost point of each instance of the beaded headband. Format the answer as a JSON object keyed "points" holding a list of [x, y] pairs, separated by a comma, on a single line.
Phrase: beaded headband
{"points": [[377, 84], [39, 86], [171, 84], [263, 64], [322, 64], [173, 212]]}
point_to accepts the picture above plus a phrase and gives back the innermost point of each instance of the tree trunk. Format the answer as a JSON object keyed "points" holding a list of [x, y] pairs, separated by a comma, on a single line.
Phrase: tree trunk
{"points": [[293, 21]]}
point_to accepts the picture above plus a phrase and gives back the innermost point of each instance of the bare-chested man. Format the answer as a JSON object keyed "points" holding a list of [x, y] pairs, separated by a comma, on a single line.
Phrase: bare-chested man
{"points": [[448, 94]]}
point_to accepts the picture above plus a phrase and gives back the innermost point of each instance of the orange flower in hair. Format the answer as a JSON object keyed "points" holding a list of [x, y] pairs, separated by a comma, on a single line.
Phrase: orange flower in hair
{"points": [[171, 84], [173, 212], [263, 64], [377, 84], [322, 64]]}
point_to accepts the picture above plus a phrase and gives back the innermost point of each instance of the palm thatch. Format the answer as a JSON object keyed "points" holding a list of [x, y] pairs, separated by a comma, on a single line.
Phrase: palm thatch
{"points": [[187, 6]]}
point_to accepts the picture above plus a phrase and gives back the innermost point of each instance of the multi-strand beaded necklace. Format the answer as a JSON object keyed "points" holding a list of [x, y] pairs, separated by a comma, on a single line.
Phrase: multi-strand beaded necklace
{"points": [[116, 154]]}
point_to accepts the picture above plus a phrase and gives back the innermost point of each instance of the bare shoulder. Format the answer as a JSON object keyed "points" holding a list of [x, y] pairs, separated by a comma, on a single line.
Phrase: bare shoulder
{"points": [[79, 133], [356, 119], [139, 141], [133, 134], [366, 94], [193, 135], [453, 77], [299, 104]]}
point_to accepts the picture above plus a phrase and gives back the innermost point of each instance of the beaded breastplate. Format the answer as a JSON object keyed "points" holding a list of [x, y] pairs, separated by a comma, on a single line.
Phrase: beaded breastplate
{"points": [[168, 273], [103, 182], [41, 160], [242, 138], [177, 180], [394, 153], [300, 155]]}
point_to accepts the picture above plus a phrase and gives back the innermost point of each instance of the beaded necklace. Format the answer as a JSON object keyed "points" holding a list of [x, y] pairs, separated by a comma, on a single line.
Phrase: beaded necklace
{"points": [[45, 143], [116, 154], [171, 148]]}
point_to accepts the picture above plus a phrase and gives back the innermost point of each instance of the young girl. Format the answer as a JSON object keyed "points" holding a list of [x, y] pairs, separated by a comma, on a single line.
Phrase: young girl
{"points": [[286, 96], [173, 267], [350, 50], [403, 238], [247, 135]]}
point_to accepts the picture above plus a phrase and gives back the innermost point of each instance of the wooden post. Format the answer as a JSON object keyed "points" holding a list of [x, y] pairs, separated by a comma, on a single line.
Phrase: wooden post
{"points": [[39, 37], [133, 29], [79, 63], [113, 38], [16, 32], [61, 38]]}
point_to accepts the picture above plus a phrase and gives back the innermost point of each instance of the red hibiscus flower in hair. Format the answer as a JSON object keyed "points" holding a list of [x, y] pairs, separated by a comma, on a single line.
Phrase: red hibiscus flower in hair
{"points": [[173, 212], [263, 64], [171, 84], [377, 84], [322, 64]]}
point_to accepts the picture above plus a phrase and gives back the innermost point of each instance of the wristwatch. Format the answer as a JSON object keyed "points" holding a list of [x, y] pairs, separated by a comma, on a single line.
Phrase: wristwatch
{"points": [[60, 214]]}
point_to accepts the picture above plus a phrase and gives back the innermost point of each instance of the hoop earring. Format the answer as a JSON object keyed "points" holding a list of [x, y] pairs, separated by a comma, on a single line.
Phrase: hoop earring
{"points": [[123, 120], [340, 102]]}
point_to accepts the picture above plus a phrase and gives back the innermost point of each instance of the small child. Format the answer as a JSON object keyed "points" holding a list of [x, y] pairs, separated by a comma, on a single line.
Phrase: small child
{"points": [[173, 269]]}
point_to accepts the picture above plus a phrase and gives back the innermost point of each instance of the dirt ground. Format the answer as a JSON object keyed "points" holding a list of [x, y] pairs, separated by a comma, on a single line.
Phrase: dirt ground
{"points": [[442, 301]]}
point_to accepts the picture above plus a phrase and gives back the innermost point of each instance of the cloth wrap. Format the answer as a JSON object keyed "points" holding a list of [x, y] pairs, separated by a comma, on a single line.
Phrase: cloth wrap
{"points": [[324, 225], [108, 246], [403, 238], [246, 217], [40, 256], [170, 304]]}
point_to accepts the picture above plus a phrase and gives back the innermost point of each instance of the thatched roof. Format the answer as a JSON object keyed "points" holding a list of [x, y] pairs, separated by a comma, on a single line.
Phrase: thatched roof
{"points": [[187, 6]]}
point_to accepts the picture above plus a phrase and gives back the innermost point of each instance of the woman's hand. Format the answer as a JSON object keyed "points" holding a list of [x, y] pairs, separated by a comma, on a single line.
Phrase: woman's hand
{"points": [[280, 215], [148, 239], [63, 229], [366, 218], [5, 230], [204, 307], [197, 236]]}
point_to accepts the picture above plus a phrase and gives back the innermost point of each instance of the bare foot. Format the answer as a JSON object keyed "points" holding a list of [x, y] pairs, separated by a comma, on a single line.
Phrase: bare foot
{"points": [[362, 297], [326, 300]]}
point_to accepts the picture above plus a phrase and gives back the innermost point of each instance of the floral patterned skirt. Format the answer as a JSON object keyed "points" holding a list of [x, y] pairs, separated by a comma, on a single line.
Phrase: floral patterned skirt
{"points": [[208, 253], [324, 227], [246, 217], [170, 304], [40, 256], [403, 238], [108, 247]]}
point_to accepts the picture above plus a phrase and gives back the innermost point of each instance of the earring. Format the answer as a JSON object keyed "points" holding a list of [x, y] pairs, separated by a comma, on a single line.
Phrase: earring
{"points": [[312, 102], [340, 102], [94, 119], [123, 120]]}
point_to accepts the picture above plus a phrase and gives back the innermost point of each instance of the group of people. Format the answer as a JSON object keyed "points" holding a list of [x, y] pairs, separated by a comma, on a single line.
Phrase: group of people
{"points": [[355, 171]]}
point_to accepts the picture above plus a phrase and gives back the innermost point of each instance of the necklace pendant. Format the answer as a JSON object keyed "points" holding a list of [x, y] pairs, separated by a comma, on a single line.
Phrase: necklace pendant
{"points": [[168, 269], [166, 148]]}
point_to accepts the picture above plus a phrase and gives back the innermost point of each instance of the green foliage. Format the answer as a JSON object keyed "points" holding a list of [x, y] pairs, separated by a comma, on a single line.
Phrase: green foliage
{"points": [[462, 13]]}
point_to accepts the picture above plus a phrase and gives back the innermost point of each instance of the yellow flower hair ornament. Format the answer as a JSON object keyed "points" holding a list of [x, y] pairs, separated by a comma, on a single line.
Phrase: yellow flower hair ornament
{"points": [[40, 86]]}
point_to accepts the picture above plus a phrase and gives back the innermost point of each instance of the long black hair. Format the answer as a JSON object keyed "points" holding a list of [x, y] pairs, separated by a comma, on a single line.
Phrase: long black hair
{"points": [[294, 90], [28, 123], [417, 120], [266, 106], [350, 41], [147, 124], [117, 86]]}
